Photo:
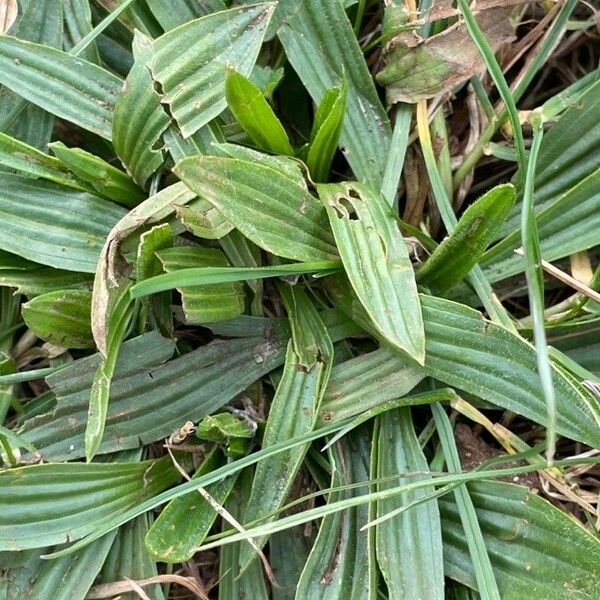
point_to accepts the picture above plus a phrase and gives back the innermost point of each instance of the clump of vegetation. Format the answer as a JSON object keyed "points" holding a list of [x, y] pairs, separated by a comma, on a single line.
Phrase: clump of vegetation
{"points": [[299, 300]]}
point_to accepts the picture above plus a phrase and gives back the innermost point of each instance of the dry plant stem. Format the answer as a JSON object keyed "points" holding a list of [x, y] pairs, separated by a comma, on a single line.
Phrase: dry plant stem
{"points": [[566, 278], [227, 516], [110, 590]]}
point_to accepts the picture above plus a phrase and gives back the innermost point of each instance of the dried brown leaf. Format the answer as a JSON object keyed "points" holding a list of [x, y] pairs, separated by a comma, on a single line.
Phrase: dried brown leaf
{"points": [[417, 69]]}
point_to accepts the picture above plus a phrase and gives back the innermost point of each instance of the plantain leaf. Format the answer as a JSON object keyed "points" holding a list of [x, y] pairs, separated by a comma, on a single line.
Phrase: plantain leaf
{"points": [[173, 14], [322, 61], [452, 260], [377, 263], [139, 119], [102, 177], [156, 398], [207, 303], [266, 204], [190, 62], [68, 87], [18, 155], [250, 108], [338, 564], [409, 545], [129, 558], [294, 408], [119, 314], [203, 220], [27, 575], [184, 523], [61, 318], [65, 502], [35, 225], [466, 351], [326, 130], [535, 549]]}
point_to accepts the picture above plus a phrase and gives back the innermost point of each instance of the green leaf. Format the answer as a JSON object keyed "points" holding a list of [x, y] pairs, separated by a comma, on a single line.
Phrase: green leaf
{"points": [[18, 155], [203, 219], [68, 87], [293, 410], [452, 260], [535, 548], [190, 62], [377, 263], [34, 223], [359, 384], [150, 400], [232, 583], [270, 208], [119, 314], [482, 566], [61, 318], [338, 564], [207, 303], [223, 427], [184, 523], [129, 558], [173, 14], [139, 119], [250, 108], [326, 130], [322, 61], [568, 224], [64, 502], [409, 546], [105, 179], [466, 351], [40, 22], [78, 24], [27, 575]]}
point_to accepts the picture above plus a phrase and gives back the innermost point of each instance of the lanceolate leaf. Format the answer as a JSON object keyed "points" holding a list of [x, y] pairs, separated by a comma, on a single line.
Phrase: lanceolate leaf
{"points": [[173, 14], [119, 314], [106, 180], [184, 523], [265, 204], [66, 86], [206, 303], [376, 260], [322, 61], [30, 576], [36, 224], [409, 546], [61, 318], [18, 155], [470, 353], [190, 62], [325, 135], [459, 253], [294, 408], [157, 399], [254, 114], [65, 502], [535, 548], [338, 565], [139, 118]]}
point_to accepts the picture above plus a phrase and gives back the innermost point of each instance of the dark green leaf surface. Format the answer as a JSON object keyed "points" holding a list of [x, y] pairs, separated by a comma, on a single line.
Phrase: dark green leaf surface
{"points": [[459, 253], [34, 223], [64, 502], [66, 86], [322, 61], [190, 62], [265, 204], [61, 318]]}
